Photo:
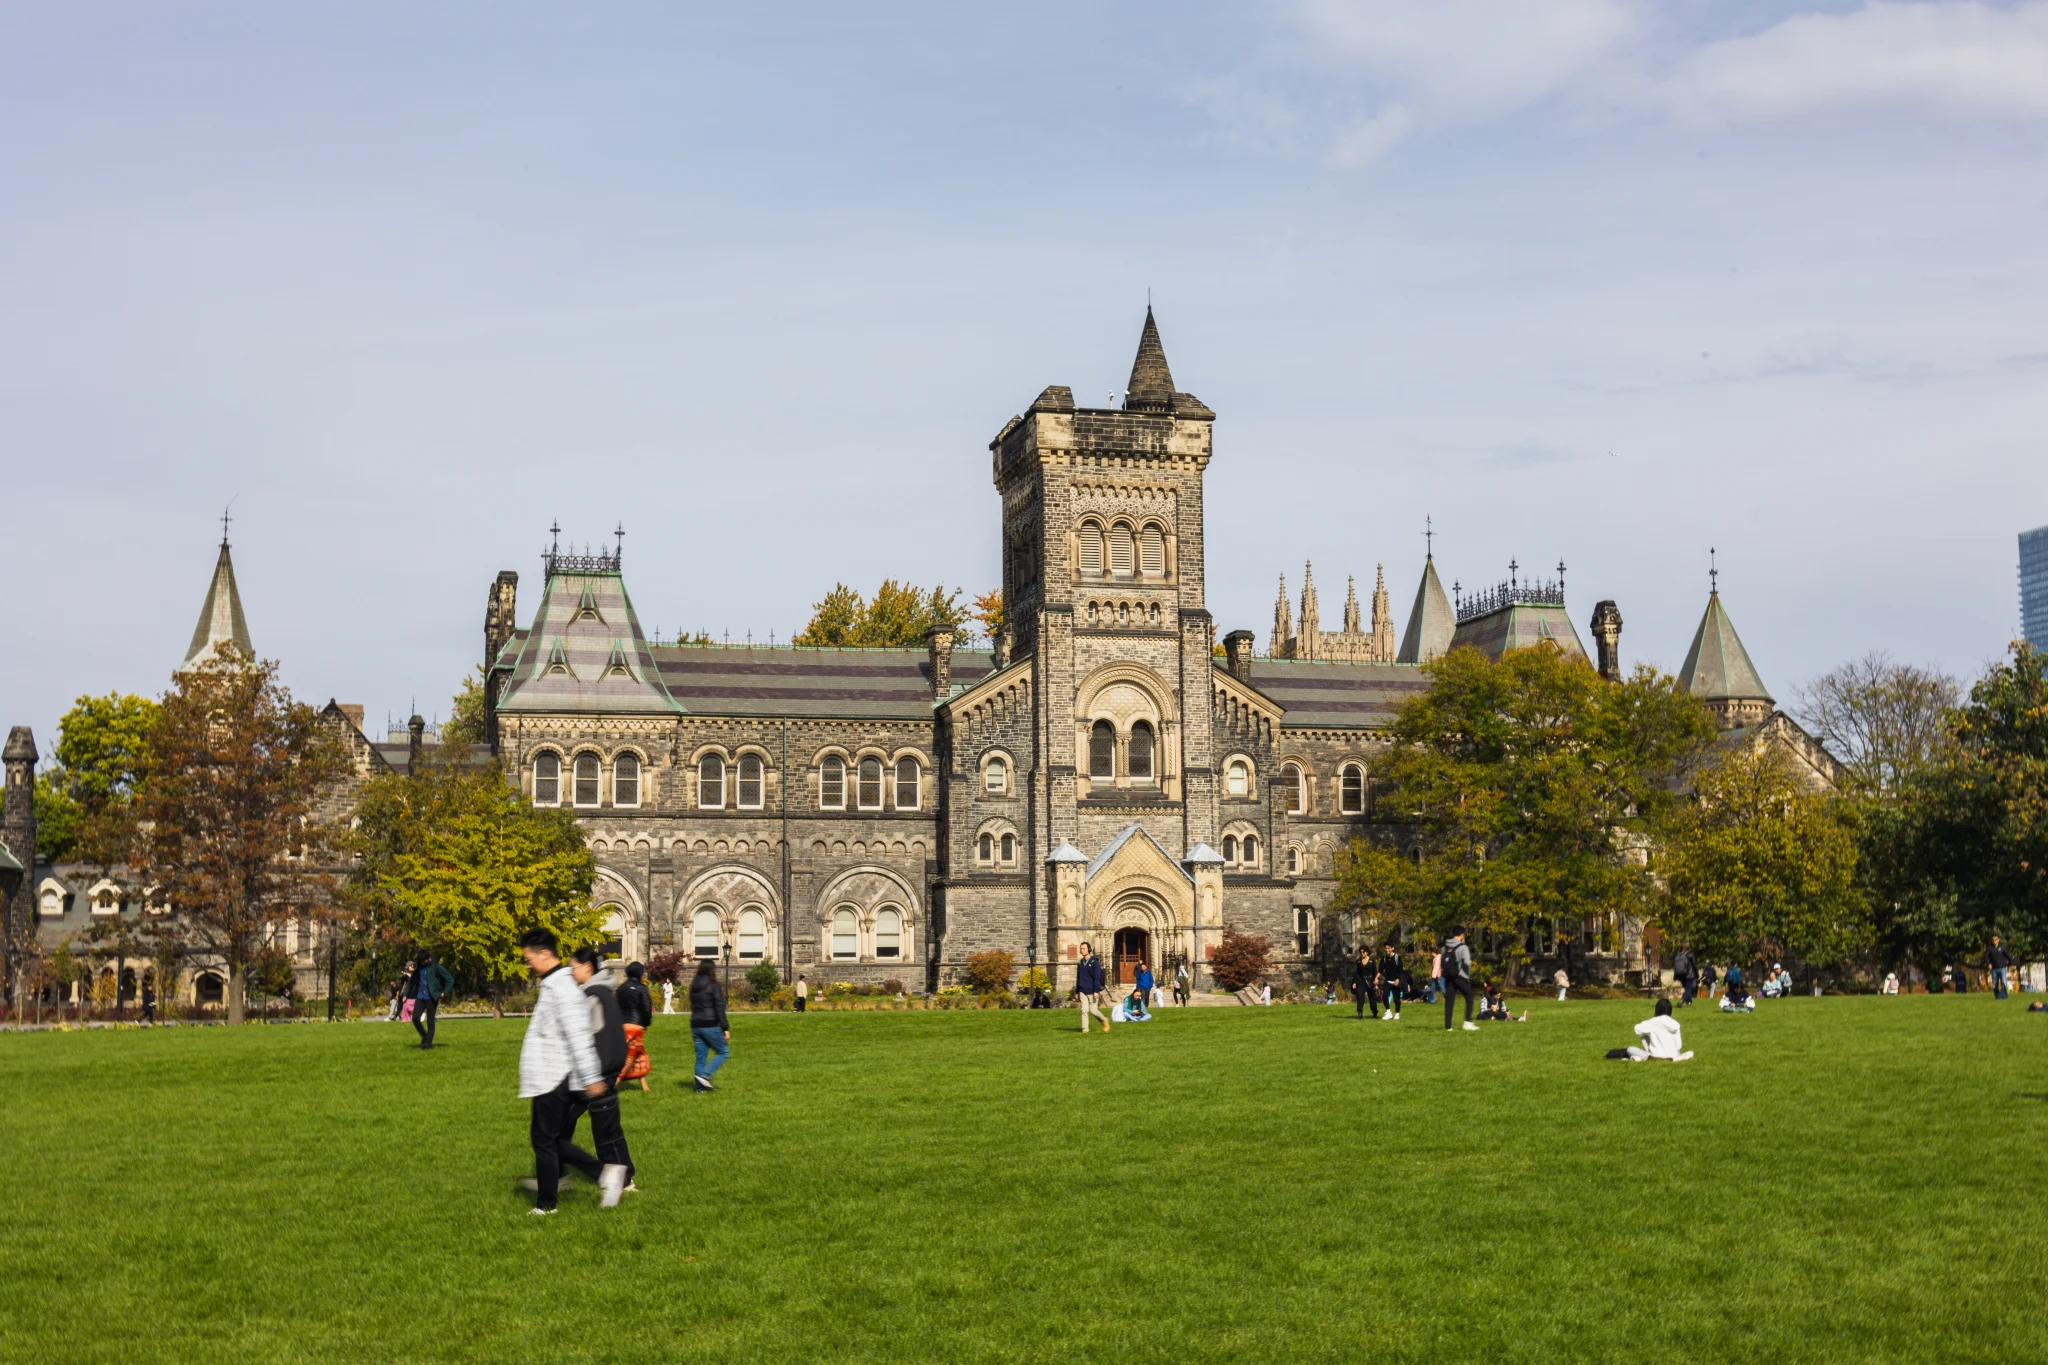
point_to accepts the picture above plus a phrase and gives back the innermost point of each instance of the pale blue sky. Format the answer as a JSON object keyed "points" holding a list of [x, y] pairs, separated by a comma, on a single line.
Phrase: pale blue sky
{"points": [[410, 282]]}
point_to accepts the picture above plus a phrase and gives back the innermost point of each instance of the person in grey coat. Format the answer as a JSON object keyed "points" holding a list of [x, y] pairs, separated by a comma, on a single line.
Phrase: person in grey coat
{"points": [[1458, 979]]}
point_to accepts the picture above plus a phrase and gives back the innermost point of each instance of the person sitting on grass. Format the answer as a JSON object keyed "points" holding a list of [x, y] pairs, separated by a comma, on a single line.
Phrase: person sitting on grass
{"points": [[1492, 1005], [1134, 1008], [1660, 1039], [2038, 1007], [1736, 999]]}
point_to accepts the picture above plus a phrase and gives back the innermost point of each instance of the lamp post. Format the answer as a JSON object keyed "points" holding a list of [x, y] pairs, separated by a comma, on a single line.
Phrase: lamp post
{"points": [[725, 952]]}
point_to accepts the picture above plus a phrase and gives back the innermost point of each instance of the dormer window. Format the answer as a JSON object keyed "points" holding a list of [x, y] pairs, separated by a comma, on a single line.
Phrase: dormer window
{"points": [[586, 605], [617, 666], [558, 662]]}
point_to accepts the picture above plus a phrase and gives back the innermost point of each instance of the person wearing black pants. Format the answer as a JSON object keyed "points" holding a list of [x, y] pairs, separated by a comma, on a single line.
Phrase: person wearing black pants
{"points": [[557, 1061], [608, 1033], [1390, 981], [1458, 980], [430, 982], [1361, 983], [1687, 969]]}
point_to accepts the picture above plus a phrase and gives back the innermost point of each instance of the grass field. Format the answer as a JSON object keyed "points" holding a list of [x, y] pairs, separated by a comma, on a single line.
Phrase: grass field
{"points": [[1837, 1179]]}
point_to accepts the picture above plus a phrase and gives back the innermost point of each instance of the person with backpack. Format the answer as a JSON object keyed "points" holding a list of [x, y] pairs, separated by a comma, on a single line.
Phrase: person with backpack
{"points": [[636, 1007], [608, 1035], [431, 981], [1088, 986], [1457, 979], [1708, 979], [1685, 969]]}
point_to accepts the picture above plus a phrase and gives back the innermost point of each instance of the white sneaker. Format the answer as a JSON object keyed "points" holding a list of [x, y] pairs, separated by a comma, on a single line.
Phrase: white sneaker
{"points": [[1471, 1027], [540, 1213], [612, 1180], [1397, 1018], [631, 1188]]}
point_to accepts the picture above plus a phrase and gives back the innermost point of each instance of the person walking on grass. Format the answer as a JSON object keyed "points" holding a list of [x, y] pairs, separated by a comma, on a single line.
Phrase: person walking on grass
{"points": [[430, 982], [1183, 987], [1432, 991], [1361, 983], [149, 1002], [608, 1035], [803, 993], [1392, 977], [636, 1008], [1457, 979], [2000, 962], [1685, 969], [1563, 984], [1708, 979], [709, 1027], [1088, 986], [558, 1066]]}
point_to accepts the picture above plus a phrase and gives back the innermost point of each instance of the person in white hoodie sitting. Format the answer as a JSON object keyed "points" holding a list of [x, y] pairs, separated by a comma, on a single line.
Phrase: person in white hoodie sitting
{"points": [[1659, 1034]]}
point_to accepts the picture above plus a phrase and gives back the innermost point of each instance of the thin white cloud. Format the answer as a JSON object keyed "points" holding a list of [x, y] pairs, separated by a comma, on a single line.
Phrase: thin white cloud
{"points": [[1959, 59]]}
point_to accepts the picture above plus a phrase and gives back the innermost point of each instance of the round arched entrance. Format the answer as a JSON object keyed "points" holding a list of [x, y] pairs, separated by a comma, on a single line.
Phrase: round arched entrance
{"points": [[1136, 925]]}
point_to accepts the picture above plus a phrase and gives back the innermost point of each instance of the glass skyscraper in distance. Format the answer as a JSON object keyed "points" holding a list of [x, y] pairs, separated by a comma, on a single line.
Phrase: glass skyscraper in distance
{"points": [[2034, 586]]}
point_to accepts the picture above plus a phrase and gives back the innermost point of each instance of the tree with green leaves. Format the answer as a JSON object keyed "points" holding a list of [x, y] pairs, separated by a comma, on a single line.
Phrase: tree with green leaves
{"points": [[456, 860], [899, 615], [1517, 791], [84, 800], [1759, 867], [226, 827], [465, 723]]}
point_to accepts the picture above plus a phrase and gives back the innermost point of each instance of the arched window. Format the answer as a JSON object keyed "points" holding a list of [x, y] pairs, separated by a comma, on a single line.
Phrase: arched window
{"points": [[1230, 850], [704, 933], [907, 794], [1009, 848], [586, 779], [988, 848], [753, 934], [995, 778], [832, 783], [750, 782], [626, 780], [1140, 751], [845, 934], [1237, 778], [1293, 861], [711, 782], [1091, 550], [1297, 788], [888, 932], [547, 780], [1152, 551], [871, 784], [1120, 551], [1102, 750], [1248, 851], [1354, 790]]}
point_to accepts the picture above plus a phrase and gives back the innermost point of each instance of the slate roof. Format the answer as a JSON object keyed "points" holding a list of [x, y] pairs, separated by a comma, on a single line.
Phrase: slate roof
{"points": [[1337, 695], [585, 652], [871, 684], [220, 616], [1519, 626], [1431, 622], [1717, 667]]}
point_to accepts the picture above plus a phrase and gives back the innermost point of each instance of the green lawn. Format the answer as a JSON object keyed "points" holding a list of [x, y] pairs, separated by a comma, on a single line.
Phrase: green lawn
{"points": [[1838, 1179]]}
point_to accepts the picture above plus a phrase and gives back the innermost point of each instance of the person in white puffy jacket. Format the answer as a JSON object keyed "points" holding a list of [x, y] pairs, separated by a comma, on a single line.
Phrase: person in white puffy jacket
{"points": [[1659, 1034]]}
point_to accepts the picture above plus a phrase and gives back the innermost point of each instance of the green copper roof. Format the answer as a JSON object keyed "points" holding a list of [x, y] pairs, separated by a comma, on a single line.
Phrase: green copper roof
{"points": [[1521, 625], [1431, 622], [220, 617], [585, 653], [1717, 667]]}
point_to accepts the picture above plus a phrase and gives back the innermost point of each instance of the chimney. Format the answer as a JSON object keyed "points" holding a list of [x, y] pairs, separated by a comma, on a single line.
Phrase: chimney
{"points": [[18, 832], [1237, 650], [416, 744], [353, 710], [1606, 626], [939, 639]]}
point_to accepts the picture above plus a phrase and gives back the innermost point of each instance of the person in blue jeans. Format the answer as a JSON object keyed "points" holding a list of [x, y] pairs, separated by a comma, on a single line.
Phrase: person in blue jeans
{"points": [[1144, 983], [2000, 962], [431, 981], [708, 1024]]}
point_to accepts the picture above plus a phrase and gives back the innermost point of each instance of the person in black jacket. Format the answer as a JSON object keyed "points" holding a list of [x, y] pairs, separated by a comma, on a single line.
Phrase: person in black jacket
{"points": [[1686, 969], [1392, 977], [608, 1033], [1089, 985], [636, 1007], [1361, 984], [708, 1025], [1999, 961]]}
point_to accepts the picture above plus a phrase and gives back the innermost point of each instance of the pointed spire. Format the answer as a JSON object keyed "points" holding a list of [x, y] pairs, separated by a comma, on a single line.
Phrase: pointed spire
{"points": [[1308, 630], [1431, 622], [1718, 669], [1351, 622], [1383, 648], [1151, 386], [220, 615], [1283, 624]]}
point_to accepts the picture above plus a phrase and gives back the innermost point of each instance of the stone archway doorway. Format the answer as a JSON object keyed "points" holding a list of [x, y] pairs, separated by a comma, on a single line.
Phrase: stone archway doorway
{"points": [[1132, 950]]}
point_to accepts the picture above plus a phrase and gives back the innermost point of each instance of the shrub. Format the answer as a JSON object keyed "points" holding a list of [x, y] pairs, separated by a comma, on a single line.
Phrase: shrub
{"points": [[990, 972], [672, 966], [1240, 959], [763, 977], [1035, 980], [892, 987]]}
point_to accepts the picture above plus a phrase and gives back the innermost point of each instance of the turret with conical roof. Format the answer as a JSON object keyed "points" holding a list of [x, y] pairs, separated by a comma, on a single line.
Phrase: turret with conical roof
{"points": [[1718, 671], [1151, 386], [220, 617], [1431, 622]]}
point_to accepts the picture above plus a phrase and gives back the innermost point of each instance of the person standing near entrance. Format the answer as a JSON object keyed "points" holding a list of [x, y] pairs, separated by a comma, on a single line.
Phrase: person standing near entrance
{"points": [[1088, 985], [708, 1024], [1457, 979], [430, 982], [2000, 962], [557, 1065], [1144, 983], [1685, 968]]}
